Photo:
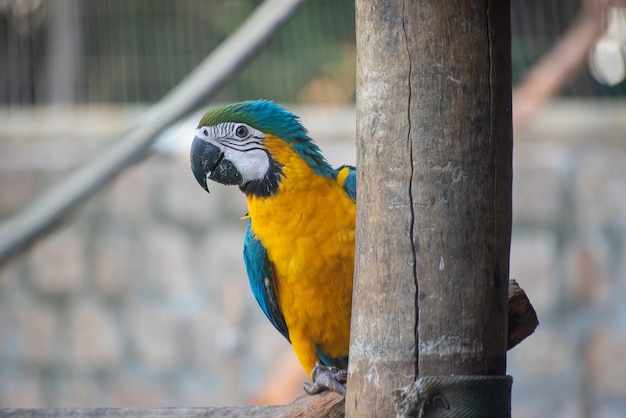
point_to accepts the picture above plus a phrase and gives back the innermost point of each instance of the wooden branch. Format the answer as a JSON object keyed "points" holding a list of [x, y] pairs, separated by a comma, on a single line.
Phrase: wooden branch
{"points": [[324, 405], [522, 316], [560, 64], [203, 82]]}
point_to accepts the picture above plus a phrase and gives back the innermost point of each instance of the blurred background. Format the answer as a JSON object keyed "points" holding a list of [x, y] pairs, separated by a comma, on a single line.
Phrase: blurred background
{"points": [[139, 298]]}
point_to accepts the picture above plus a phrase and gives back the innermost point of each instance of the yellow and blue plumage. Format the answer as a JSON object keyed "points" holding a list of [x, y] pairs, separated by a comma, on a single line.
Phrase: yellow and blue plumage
{"points": [[299, 243]]}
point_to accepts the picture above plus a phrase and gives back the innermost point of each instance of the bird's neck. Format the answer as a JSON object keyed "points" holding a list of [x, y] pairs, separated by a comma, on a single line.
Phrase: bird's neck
{"points": [[286, 176], [286, 162]]}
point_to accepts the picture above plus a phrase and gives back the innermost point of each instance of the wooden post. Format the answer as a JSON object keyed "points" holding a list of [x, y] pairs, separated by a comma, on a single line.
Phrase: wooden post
{"points": [[434, 202]]}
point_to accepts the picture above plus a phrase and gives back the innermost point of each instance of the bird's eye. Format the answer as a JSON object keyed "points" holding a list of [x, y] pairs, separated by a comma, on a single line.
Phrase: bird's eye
{"points": [[241, 131], [205, 132]]}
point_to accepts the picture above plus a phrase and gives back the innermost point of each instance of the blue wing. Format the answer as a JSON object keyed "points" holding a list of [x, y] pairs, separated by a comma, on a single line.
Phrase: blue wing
{"points": [[261, 277], [349, 184]]}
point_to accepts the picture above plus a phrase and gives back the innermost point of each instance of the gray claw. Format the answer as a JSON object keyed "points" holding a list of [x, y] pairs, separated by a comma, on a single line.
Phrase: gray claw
{"points": [[327, 378]]}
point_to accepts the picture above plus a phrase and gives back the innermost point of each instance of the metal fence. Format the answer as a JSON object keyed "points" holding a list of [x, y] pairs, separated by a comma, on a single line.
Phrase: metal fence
{"points": [[130, 51]]}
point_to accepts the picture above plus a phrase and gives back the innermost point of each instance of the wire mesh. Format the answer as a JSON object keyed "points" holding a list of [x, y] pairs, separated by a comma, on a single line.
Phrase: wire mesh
{"points": [[134, 51]]}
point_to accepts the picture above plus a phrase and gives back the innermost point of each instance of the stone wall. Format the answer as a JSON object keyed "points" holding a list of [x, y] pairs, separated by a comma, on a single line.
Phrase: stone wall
{"points": [[140, 297], [569, 253]]}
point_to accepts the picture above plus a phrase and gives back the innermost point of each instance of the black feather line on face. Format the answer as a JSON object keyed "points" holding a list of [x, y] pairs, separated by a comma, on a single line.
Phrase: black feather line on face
{"points": [[268, 185]]}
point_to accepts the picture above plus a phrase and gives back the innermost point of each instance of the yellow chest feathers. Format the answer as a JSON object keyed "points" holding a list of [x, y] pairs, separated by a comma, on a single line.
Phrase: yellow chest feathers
{"points": [[307, 226]]}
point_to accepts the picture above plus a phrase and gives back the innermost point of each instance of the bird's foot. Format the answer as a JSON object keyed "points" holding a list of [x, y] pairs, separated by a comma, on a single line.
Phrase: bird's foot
{"points": [[327, 378]]}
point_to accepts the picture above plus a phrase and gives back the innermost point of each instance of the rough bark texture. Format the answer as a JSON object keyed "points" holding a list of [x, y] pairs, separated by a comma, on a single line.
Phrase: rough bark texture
{"points": [[382, 344], [461, 186], [434, 205]]}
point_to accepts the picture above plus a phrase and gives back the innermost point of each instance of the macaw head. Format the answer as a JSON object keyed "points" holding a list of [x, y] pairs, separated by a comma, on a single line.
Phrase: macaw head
{"points": [[230, 146]]}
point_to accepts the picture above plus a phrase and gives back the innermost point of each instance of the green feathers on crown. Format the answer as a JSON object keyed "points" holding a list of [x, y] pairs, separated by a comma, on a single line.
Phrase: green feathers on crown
{"points": [[270, 118]]}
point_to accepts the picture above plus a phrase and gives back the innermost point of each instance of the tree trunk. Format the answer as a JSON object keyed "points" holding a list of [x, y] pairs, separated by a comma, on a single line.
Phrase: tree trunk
{"points": [[434, 152]]}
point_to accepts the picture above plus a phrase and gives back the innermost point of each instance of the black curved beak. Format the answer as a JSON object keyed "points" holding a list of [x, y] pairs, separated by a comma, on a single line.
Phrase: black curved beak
{"points": [[207, 162], [204, 158]]}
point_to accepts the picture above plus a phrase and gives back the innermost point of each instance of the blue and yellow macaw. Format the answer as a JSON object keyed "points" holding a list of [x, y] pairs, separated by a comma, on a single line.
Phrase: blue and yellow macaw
{"points": [[299, 242]]}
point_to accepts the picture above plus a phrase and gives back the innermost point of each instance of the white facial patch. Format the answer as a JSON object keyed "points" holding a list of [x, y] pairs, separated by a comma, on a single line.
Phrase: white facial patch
{"points": [[252, 165], [242, 145]]}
